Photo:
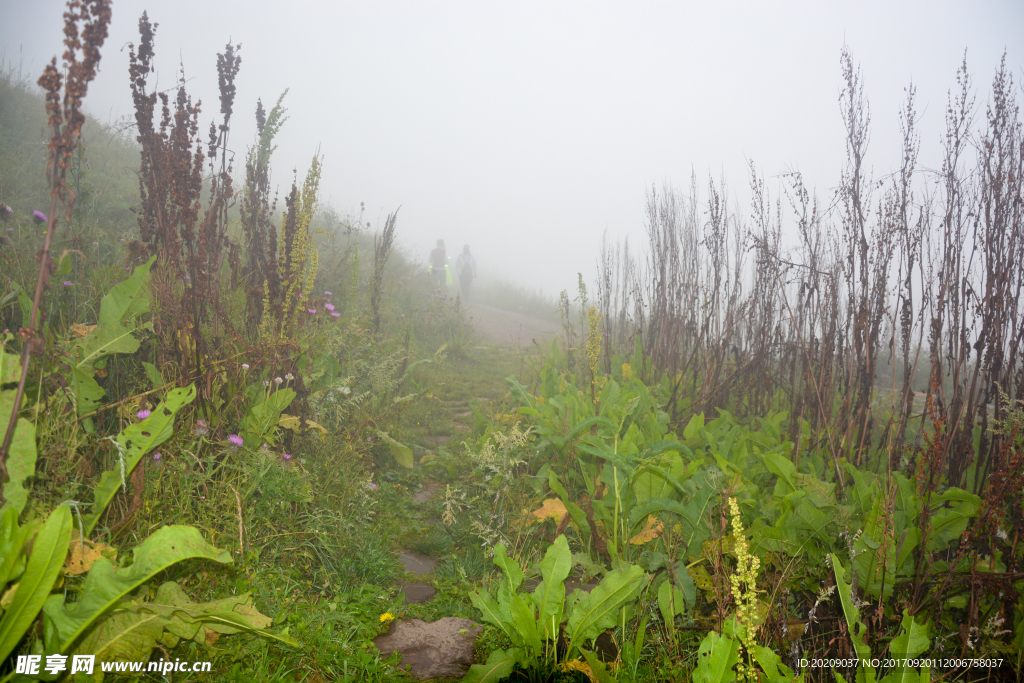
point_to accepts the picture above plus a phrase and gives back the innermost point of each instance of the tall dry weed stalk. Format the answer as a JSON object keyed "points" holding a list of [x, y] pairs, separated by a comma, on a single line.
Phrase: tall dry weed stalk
{"points": [[85, 30], [188, 241], [900, 288]]}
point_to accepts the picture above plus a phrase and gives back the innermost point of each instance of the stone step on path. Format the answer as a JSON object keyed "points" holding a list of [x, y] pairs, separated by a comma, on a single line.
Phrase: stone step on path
{"points": [[438, 649], [417, 591], [430, 650]]}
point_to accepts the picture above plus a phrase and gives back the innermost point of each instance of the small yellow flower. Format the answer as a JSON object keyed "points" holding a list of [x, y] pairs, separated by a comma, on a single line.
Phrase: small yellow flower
{"points": [[386, 617]]}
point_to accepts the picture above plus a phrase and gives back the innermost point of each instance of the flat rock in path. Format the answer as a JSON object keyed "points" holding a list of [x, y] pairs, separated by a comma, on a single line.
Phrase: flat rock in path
{"points": [[417, 592], [425, 493], [433, 649], [416, 564]]}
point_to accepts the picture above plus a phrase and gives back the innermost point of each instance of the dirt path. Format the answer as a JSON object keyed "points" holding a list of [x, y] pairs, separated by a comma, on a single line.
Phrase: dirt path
{"points": [[508, 328]]}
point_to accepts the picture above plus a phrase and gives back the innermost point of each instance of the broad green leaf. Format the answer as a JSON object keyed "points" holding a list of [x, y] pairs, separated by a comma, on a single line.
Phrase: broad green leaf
{"points": [[947, 523], [399, 451], [771, 663], [127, 299], [499, 665], [87, 391], [156, 380], [586, 424], [912, 640], [493, 614], [12, 545], [857, 630], [112, 334], [49, 548], [524, 619], [784, 470], [106, 585], [21, 459], [136, 440], [598, 668], [693, 427], [716, 658], [513, 573], [134, 628], [549, 596], [575, 511], [671, 603], [10, 368], [598, 611], [649, 483]]}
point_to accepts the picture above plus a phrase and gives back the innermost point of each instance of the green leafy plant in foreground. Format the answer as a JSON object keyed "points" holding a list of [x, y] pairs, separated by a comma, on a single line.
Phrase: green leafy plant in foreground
{"points": [[913, 640], [104, 620], [533, 622]]}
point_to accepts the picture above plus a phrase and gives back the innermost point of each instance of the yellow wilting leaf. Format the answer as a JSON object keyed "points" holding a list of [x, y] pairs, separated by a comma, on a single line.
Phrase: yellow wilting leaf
{"points": [[701, 578], [726, 546], [578, 665], [80, 330], [82, 554], [314, 425], [552, 508], [289, 422], [8, 597], [651, 531]]}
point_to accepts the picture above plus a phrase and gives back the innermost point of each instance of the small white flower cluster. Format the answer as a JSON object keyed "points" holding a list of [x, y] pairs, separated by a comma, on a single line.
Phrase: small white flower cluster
{"points": [[823, 595]]}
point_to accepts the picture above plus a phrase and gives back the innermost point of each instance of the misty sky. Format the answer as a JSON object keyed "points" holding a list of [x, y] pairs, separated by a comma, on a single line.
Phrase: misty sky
{"points": [[527, 129]]}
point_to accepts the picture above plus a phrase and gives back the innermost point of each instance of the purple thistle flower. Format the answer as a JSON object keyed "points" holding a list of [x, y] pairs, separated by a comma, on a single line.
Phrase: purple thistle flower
{"points": [[336, 314], [142, 414], [186, 277], [311, 310], [329, 307], [39, 217], [286, 456], [373, 486], [327, 294], [235, 440], [157, 456], [67, 283]]}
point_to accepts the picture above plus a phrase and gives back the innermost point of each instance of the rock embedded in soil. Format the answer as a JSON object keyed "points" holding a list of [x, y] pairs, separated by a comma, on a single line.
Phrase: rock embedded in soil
{"points": [[433, 649], [416, 564], [426, 493], [417, 592]]}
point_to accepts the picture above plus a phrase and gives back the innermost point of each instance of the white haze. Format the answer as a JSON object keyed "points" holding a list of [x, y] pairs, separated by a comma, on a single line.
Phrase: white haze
{"points": [[527, 129]]}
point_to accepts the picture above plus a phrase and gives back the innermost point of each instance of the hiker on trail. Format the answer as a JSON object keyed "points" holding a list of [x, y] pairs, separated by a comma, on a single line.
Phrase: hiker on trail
{"points": [[465, 268], [438, 264]]}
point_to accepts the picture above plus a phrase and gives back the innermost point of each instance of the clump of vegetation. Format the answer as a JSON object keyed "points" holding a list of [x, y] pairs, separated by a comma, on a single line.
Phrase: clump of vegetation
{"points": [[215, 424]]}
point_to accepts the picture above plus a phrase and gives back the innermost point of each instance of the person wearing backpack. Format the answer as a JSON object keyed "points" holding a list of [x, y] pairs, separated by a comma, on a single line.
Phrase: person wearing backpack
{"points": [[465, 268], [438, 264]]}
